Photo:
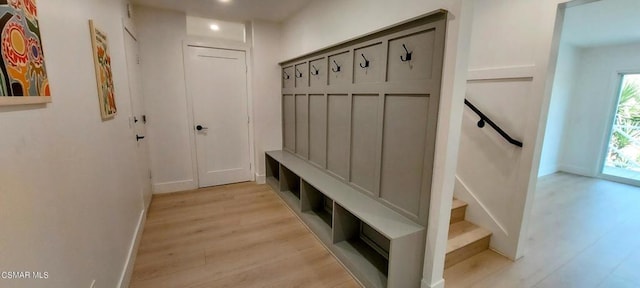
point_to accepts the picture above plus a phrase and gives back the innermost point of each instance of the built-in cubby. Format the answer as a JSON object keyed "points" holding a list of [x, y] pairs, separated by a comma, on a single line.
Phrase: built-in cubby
{"points": [[366, 259], [290, 187], [366, 111], [359, 132], [272, 172], [380, 247], [317, 211]]}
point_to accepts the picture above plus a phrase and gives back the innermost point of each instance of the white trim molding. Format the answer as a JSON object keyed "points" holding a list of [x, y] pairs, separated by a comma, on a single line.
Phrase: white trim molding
{"points": [[127, 271], [175, 186], [501, 73], [438, 284], [261, 179]]}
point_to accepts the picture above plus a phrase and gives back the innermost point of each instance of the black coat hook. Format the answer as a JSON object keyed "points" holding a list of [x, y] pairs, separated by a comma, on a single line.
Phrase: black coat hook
{"points": [[286, 76], [315, 69], [298, 75], [366, 62], [407, 57], [337, 67]]}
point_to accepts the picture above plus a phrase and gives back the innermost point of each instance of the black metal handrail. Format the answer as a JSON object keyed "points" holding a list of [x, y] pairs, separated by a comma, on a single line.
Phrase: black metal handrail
{"points": [[484, 118]]}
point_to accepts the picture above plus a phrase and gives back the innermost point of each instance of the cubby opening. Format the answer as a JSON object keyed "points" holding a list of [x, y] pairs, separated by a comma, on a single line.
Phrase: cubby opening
{"points": [[363, 247], [290, 186], [375, 240], [272, 172], [316, 203], [317, 211]]}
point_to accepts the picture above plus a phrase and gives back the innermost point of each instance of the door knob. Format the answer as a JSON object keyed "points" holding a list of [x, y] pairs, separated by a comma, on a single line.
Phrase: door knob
{"points": [[138, 137], [200, 128]]}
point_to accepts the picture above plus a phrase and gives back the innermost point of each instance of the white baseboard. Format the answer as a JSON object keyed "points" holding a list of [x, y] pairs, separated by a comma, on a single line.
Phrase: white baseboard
{"points": [[125, 279], [176, 186], [439, 284], [548, 171], [261, 179], [575, 170]]}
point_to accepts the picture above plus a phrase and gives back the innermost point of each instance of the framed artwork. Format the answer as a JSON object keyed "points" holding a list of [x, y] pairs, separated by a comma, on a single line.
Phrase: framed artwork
{"points": [[104, 77], [23, 76]]}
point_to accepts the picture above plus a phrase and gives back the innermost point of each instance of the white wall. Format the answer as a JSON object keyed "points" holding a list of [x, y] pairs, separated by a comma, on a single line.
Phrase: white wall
{"points": [[563, 89], [592, 105], [200, 27], [69, 194], [512, 65], [160, 34], [323, 23], [267, 117]]}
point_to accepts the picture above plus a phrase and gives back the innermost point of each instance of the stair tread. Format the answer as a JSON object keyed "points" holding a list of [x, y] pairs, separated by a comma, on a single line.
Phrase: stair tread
{"points": [[464, 233], [457, 204]]}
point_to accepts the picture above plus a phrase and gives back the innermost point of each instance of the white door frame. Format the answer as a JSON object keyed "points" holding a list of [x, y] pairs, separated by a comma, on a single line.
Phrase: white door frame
{"points": [[615, 87], [227, 45], [128, 32]]}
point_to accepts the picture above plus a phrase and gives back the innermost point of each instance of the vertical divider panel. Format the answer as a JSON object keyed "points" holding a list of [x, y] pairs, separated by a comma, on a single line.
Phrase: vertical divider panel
{"points": [[289, 122], [345, 225], [307, 199], [349, 61], [337, 135], [385, 52], [327, 67], [318, 129], [326, 131], [379, 142], [364, 135], [349, 137], [302, 125]]}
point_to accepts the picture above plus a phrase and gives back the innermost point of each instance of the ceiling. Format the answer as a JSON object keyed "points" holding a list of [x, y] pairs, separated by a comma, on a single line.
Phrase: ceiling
{"points": [[605, 22], [233, 10]]}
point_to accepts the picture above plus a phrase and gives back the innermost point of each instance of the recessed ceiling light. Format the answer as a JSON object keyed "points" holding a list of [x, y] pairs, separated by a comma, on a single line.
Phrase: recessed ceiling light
{"points": [[224, 1], [214, 27]]}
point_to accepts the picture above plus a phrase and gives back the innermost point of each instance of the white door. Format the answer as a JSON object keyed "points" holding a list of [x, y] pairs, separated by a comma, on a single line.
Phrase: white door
{"points": [[138, 115], [217, 83]]}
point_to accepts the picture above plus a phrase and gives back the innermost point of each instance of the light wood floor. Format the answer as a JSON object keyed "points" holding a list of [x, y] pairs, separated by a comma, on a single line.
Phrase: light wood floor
{"points": [[238, 235], [583, 233]]}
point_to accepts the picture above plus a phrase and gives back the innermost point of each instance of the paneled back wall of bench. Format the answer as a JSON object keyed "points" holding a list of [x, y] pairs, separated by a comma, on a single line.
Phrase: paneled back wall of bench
{"points": [[366, 111], [359, 127]]}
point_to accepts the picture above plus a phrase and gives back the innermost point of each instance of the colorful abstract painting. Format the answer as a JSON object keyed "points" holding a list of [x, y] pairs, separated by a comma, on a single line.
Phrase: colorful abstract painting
{"points": [[104, 76], [23, 79]]}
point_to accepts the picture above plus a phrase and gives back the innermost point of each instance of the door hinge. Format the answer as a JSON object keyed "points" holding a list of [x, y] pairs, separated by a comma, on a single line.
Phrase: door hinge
{"points": [[248, 119], [150, 175], [250, 166], [138, 58]]}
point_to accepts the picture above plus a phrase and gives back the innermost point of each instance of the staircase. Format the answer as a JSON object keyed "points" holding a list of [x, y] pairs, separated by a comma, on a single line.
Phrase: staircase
{"points": [[465, 238]]}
